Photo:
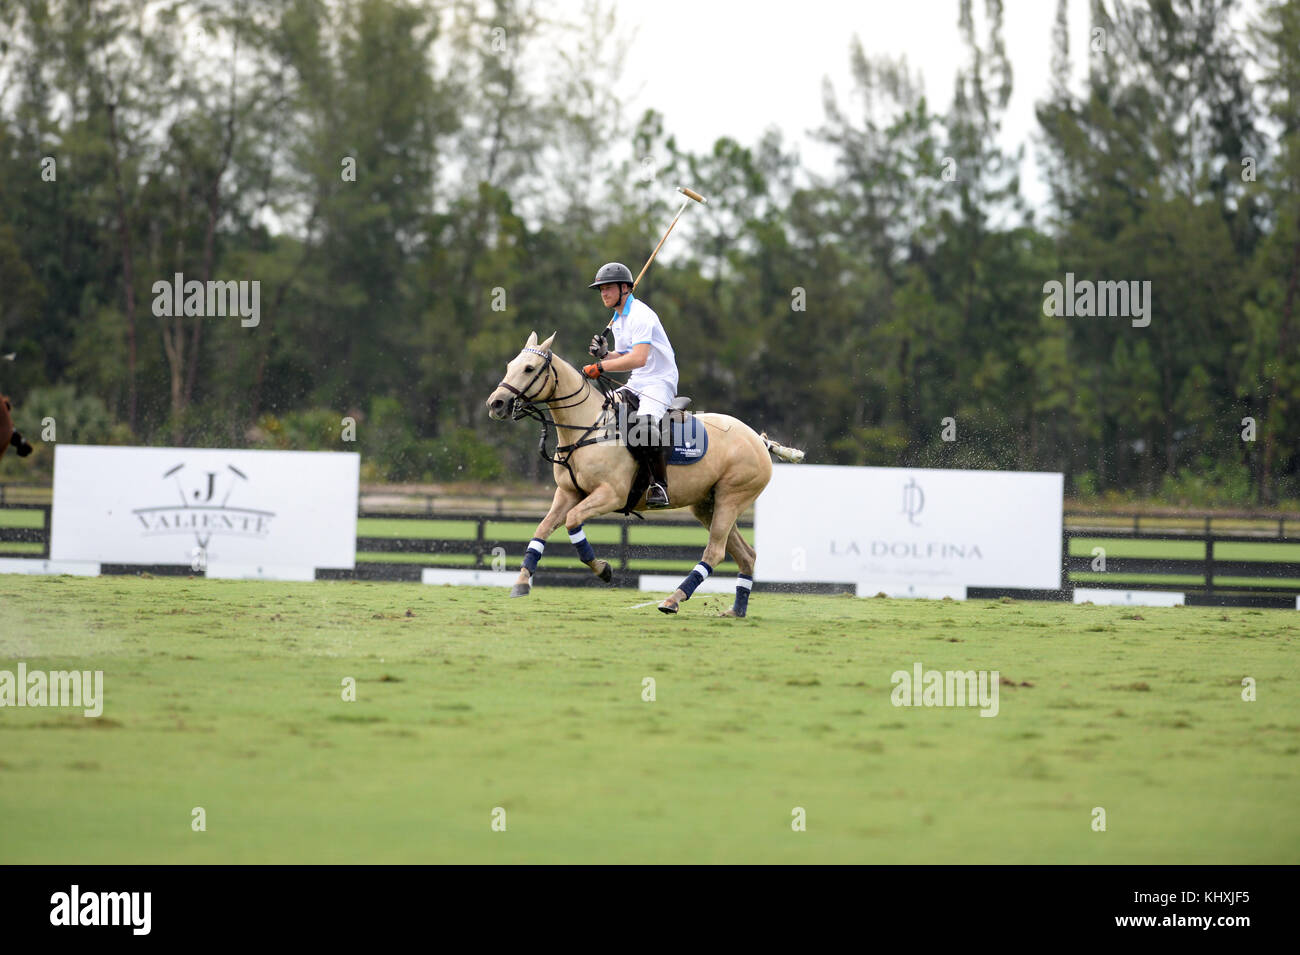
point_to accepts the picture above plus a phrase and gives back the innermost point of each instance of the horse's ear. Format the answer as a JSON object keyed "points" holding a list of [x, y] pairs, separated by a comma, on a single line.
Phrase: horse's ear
{"points": [[546, 345], [532, 340]]}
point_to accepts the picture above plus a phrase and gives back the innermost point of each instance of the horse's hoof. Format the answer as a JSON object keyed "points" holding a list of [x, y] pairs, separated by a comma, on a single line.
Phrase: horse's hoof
{"points": [[606, 572], [521, 590], [671, 603]]}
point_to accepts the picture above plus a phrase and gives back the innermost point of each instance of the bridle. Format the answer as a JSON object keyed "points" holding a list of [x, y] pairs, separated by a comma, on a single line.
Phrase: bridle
{"points": [[524, 405], [523, 401]]}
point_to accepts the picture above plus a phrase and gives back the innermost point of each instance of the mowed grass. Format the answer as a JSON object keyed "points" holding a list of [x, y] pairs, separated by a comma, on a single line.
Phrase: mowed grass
{"points": [[227, 695]]}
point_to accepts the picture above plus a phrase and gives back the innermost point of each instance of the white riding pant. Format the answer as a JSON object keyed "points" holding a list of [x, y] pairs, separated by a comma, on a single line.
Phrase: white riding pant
{"points": [[655, 396]]}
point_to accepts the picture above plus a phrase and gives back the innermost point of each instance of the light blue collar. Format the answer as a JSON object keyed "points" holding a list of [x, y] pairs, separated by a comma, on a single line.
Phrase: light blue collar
{"points": [[627, 306]]}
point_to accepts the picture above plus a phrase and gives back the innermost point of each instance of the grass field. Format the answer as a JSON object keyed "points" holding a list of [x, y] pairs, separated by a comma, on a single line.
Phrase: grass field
{"points": [[227, 695]]}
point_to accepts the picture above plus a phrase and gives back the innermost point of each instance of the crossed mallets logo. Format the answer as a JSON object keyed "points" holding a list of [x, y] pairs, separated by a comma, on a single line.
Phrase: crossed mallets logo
{"points": [[204, 507]]}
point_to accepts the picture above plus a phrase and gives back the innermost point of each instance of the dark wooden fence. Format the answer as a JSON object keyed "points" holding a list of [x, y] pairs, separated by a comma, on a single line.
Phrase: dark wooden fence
{"points": [[26, 535], [482, 545], [1207, 568], [1275, 584]]}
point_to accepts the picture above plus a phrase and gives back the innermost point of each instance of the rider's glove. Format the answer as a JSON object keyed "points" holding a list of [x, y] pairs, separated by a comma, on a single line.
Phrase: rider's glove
{"points": [[594, 371], [598, 346]]}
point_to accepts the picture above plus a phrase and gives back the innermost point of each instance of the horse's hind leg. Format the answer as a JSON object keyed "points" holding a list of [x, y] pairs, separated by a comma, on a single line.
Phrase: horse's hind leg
{"points": [[738, 549], [703, 511], [726, 508], [743, 555]]}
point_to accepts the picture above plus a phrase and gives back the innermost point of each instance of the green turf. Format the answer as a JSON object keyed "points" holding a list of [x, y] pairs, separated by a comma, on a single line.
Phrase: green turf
{"points": [[227, 695], [14, 517], [1185, 550], [21, 549]]}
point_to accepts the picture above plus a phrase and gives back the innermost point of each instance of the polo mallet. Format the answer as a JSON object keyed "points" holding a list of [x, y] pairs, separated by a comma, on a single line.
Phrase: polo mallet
{"points": [[691, 196]]}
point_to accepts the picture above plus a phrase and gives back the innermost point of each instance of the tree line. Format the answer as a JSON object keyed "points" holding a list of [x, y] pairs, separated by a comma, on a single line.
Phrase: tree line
{"points": [[398, 178]]}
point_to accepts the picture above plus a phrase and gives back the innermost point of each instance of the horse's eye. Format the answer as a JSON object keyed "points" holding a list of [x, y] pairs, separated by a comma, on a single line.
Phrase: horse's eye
{"points": [[528, 368]]}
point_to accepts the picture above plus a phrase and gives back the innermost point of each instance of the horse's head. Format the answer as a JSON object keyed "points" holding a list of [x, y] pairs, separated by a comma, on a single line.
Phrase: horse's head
{"points": [[8, 435], [530, 377]]}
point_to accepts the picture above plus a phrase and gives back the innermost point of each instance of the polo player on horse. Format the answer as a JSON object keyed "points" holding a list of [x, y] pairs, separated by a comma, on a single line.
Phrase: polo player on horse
{"points": [[641, 347]]}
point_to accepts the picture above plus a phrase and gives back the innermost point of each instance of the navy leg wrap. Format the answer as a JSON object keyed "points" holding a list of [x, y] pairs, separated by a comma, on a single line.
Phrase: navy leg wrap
{"points": [[695, 578], [583, 546], [743, 584], [533, 554]]}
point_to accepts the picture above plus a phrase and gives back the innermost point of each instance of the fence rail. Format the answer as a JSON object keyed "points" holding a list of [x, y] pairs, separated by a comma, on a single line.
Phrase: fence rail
{"points": [[1274, 581], [399, 501], [483, 544]]}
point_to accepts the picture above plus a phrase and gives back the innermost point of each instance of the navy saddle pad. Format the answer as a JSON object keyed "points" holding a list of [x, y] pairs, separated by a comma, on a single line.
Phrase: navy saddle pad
{"points": [[690, 440]]}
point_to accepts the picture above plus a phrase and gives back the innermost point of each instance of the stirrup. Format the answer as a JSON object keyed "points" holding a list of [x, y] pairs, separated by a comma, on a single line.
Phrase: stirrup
{"points": [[651, 499]]}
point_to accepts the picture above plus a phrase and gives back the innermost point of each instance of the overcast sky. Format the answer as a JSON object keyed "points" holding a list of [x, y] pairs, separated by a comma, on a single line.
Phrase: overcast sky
{"points": [[730, 67]]}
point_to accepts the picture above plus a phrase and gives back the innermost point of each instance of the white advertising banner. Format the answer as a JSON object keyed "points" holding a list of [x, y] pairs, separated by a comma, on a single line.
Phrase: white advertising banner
{"points": [[921, 526], [205, 507]]}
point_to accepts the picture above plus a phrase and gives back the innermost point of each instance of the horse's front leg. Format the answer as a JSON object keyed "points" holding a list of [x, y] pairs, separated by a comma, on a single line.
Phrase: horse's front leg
{"points": [[560, 507], [600, 501]]}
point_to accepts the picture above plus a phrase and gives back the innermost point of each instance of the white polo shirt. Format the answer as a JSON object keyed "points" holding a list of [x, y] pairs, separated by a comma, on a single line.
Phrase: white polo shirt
{"points": [[634, 324]]}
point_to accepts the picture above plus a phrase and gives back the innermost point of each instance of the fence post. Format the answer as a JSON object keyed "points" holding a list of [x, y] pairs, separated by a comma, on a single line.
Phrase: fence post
{"points": [[1067, 585], [482, 542], [1209, 559], [46, 552], [1137, 520], [622, 547]]}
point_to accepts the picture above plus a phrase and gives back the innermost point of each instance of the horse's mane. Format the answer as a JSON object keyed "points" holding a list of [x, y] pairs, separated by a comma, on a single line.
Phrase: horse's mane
{"points": [[561, 360], [556, 356]]}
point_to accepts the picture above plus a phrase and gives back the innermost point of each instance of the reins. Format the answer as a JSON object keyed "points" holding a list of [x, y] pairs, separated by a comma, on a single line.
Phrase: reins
{"points": [[543, 410]]}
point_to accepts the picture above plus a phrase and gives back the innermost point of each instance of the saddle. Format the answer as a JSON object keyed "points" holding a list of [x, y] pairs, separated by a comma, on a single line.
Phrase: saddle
{"points": [[689, 439]]}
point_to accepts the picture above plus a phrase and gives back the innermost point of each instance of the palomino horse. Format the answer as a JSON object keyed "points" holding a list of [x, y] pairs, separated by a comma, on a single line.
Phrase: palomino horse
{"points": [[594, 471], [8, 435]]}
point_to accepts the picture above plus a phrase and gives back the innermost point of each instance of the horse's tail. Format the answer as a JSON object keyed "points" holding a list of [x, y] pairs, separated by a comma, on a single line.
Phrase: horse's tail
{"points": [[793, 455]]}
